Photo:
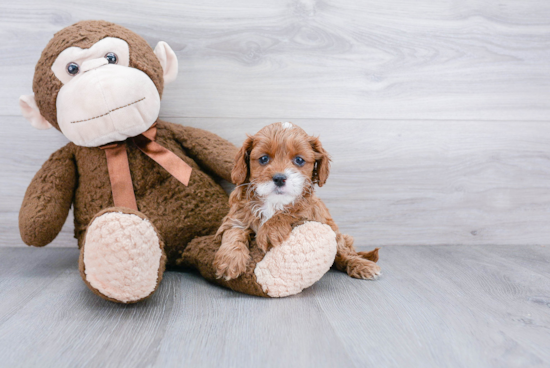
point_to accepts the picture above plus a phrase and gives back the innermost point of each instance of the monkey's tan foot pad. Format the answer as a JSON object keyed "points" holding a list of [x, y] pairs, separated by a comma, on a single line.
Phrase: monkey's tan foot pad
{"points": [[298, 262], [122, 258]]}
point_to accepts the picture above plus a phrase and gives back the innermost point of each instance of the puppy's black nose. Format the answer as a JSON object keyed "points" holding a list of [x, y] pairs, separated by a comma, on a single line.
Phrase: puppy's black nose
{"points": [[279, 179]]}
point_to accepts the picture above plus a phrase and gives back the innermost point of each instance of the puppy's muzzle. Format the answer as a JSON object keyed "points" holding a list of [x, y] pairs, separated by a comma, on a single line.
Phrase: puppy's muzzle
{"points": [[279, 179]]}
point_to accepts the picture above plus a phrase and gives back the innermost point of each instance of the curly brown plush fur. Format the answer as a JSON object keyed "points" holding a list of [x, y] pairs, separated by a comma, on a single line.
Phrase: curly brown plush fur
{"points": [[78, 176]]}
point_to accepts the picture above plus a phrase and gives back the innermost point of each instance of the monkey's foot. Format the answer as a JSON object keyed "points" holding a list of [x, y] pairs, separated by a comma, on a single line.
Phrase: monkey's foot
{"points": [[298, 262], [122, 259]]}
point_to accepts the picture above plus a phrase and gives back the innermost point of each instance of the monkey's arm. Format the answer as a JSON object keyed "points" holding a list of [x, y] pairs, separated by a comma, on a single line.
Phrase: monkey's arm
{"points": [[209, 150], [48, 199]]}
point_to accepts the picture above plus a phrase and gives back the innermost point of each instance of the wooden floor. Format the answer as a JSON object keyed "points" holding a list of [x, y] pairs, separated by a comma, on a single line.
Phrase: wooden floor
{"points": [[435, 306]]}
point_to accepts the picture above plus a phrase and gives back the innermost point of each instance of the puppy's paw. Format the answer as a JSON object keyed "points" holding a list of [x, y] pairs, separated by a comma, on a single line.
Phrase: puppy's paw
{"points": [[361, 268], [231, 263], [371, 256], [262, 241], [276, 238]]}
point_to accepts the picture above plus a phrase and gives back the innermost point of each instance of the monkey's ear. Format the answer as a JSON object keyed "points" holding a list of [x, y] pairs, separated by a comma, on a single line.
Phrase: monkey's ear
{"points": [[31, 113], [168, 61]]}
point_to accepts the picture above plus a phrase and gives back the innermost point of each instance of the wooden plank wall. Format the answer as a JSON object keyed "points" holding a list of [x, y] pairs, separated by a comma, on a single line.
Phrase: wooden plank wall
{"points": [[436, 112]]}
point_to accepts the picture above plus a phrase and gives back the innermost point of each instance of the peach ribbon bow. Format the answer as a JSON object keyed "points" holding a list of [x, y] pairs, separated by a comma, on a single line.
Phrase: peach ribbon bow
{"points": [[119, 168]]}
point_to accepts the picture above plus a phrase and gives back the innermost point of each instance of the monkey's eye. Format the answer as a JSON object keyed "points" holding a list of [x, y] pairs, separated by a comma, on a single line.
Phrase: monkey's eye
{"points": [[263, 160], [111, 57], [73, 68], [298, 161]]}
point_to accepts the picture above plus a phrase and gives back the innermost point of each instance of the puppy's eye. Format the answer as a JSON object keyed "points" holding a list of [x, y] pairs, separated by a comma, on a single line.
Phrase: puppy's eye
{"points": [[73, 68], [111, 57], [263, 160], [298, 161]]}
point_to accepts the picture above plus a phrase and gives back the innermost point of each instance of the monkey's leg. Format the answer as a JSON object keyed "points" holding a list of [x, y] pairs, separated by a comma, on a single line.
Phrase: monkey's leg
{"points": [[122, 258], [285, 270]]}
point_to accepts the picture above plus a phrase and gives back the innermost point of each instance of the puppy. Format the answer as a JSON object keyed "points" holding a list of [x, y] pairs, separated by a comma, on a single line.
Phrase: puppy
{"points": [[275, 173]]}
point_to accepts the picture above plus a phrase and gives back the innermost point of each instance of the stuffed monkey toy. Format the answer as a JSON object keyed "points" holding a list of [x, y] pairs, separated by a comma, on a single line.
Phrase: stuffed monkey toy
{"points": [[144, 191]]}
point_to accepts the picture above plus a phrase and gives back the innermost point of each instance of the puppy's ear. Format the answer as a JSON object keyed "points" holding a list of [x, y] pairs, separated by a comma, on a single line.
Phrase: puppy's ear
{"points": [[322, 162], [240, 172]]}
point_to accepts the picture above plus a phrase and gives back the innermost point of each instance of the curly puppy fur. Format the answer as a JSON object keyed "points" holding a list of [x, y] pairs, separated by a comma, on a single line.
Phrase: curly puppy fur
{"points": [[275, 172]]}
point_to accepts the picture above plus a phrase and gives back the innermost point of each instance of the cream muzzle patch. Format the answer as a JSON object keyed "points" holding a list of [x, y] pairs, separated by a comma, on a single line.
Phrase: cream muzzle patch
{"points": [[107, 113], [103, 100]]}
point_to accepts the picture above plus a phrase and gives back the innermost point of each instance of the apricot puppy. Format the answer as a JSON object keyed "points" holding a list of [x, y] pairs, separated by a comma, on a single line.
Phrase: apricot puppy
{"points": [[275, 173]]}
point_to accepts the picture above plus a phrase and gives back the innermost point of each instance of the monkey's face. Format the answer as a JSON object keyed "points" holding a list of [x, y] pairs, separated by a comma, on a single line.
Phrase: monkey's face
{"points": [[103, 99], [99, 83]]}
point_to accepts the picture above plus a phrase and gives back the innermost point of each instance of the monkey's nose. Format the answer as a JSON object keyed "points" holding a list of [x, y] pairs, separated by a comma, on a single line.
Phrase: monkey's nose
{"points": [[279, 179], [93, 64]]}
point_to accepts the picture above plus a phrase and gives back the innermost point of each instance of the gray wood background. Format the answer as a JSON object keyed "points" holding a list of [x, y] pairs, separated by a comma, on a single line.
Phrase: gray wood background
{"points": [[436, 112]]}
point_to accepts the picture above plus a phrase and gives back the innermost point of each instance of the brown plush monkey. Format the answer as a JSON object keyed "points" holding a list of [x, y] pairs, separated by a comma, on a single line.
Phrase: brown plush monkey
{"points": [[143, 190]]}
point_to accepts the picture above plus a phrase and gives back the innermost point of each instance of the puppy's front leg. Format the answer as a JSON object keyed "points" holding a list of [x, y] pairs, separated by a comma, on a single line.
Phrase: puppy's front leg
{"points": [[357, 265], [274, 231], [231, 259]]}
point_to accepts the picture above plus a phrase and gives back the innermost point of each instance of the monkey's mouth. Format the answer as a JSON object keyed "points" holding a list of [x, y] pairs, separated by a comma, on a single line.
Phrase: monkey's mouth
{"points": [[108, 112]]}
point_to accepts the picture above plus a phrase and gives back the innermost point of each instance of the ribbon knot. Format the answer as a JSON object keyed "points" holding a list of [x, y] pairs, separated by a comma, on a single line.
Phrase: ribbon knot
{"points": [[119, 167]]}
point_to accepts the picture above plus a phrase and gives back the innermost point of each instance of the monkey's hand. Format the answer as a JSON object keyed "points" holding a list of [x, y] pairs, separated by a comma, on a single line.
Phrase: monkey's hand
{"points": [[48, 199]]}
